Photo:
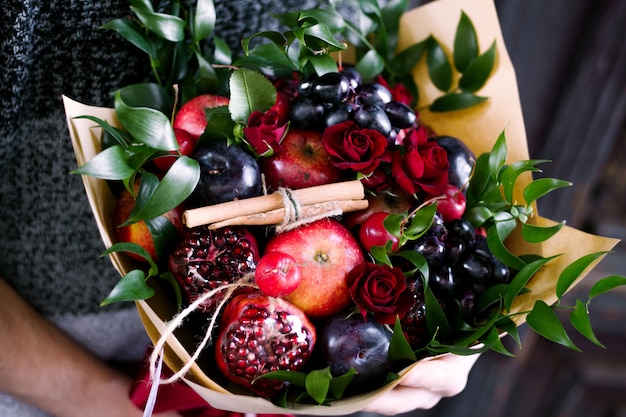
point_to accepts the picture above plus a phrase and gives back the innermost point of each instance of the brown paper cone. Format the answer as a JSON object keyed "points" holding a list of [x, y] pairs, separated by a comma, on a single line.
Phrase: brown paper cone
{"points": [[478, 127]]}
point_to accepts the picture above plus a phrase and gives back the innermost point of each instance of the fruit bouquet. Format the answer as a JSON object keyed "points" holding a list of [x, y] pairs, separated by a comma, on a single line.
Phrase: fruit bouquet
{"points": [[301, 223]]}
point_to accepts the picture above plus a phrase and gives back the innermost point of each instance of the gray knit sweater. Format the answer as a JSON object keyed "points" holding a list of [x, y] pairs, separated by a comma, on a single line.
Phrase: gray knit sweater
{"points": [[49, 244]]}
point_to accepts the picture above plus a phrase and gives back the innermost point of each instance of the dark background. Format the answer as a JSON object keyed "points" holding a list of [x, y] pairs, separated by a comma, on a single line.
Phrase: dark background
{"points": [[570, 60]]}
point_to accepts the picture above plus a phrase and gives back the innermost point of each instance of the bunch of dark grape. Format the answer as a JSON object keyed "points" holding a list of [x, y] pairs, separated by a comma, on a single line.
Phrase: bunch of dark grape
{"points": [[336, 97], [461, 266]]}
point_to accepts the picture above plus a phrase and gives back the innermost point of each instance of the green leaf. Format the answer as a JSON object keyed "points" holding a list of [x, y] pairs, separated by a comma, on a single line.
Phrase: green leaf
{"points": [[399, 348], [109, 132], [329, 18], [318, 384], [146, 125], [339, 383], [393, 223], [507, 325], [543, 320], [579, 317], [370, 65], [571, 273], [277, 38], [130, 31], [407, 59], [204, 20], [492, 295], [439, 68], [222, 54], [478, 215], [381, 254], [177, 184], [219, 125], [541, 187], [142, 4], [509, 175], [130, 288], [249, 91], [148, 95], [421, 221], [465, 43], [537, 234], [436, 319], [296, 378], [493, 340], [455, 101], [480, 182], [109, 164], [495, 240], [320, 38], [164, 233], [497, 157], [606, 284], [478, 71], [169, 27], [522, 277], [323, 64]]}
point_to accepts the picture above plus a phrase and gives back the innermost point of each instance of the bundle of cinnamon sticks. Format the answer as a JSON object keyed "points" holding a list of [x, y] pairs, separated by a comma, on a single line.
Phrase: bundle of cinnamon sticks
{"points": [[340, 197]]}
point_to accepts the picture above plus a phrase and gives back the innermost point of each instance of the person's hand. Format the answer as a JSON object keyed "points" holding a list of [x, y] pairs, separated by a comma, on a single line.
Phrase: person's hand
{"points": [[425, 385]]}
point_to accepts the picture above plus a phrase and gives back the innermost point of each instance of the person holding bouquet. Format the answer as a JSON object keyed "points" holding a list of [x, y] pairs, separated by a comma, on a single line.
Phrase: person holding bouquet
{"points": [[62, 354]]}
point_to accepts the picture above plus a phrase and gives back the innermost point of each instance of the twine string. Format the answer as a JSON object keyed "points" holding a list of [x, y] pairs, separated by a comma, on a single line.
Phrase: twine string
{"points": [[177, 321], [293, 212]]}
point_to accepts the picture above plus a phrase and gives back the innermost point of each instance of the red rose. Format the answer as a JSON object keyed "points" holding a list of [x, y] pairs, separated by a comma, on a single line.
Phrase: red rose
{"points": [[380, 290], [421, 166], [357, 149], [265, 132]]}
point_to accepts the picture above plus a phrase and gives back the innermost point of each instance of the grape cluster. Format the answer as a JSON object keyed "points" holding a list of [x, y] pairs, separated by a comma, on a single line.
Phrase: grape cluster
{"points": [[336, 97], [461, 266]]}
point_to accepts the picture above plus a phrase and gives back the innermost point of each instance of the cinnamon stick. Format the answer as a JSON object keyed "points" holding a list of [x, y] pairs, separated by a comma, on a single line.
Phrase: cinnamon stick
{"points": [[340, 191], [276, 216]]}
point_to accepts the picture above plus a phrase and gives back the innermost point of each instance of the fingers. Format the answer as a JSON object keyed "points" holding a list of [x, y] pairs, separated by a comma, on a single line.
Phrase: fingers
{"points": [[446, 375], [425, 385], [402, 400]]}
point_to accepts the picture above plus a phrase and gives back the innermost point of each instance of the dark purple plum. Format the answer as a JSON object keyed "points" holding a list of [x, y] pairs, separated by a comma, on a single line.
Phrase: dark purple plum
{"points": [[354, 77], [400, 115], [227, 172], [462, 229], [431, 248], [331, 87], [345, 342], [461, 159], [373, 93], [373, 116], [414, 323], [340, 112], [443, 281], [306, 113]]}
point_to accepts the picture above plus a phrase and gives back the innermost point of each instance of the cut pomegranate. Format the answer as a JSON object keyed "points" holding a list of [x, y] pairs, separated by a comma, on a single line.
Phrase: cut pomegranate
{"points": [[259, 334], [207, 259]]}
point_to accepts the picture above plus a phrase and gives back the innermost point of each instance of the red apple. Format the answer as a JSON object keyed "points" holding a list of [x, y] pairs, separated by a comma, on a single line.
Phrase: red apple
{"points": [[138, 232], [192, 115], [452, 206], [325, 251], [373, 232], [302, 162], [186, 146], [277, 274]]}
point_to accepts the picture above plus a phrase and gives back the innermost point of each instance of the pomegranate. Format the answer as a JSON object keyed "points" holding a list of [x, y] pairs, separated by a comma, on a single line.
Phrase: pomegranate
{"points": [[207, 259], [259, 334]]}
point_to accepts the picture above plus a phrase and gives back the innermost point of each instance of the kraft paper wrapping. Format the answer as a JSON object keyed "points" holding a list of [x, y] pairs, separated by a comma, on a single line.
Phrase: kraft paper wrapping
{"points": [[478, 127]]}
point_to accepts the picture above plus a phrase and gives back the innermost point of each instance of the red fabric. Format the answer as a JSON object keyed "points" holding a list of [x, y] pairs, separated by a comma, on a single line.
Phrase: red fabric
{"points": [[176, 396]]}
